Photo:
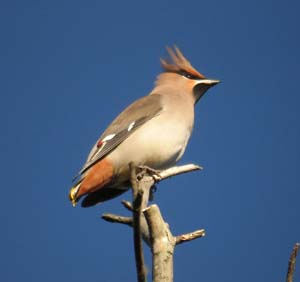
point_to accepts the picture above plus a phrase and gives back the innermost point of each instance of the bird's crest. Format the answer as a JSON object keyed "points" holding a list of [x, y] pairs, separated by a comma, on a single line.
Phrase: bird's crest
{"points": [[179, 63]]}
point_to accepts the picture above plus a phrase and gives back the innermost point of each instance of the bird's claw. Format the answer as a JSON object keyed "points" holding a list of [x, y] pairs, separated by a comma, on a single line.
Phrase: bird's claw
{"points": [[146, 170]]}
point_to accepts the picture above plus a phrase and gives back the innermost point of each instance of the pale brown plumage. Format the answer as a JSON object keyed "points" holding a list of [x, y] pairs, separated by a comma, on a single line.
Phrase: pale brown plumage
{"points": [[153, 131]]}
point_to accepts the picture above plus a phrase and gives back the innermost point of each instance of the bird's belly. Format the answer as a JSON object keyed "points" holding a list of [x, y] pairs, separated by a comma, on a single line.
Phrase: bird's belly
{"points": [[158, 146]]}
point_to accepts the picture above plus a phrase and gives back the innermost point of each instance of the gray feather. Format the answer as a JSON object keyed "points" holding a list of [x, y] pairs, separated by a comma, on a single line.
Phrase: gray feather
{"points": [[123, 126]]}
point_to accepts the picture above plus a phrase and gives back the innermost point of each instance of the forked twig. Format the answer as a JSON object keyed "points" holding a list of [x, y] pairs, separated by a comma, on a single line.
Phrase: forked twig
{"points": [[148, 223]]}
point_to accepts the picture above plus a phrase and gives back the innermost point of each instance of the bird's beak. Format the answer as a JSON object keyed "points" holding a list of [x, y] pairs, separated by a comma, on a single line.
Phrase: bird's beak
{"points": [[202, 85], [208, 82]]}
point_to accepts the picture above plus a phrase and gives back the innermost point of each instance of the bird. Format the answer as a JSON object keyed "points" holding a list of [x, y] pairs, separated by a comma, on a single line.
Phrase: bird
{"points": [[153, 131]]}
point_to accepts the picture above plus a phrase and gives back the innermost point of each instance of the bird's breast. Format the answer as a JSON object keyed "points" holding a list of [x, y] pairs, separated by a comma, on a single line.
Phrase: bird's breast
{"points": [[159, 144]]}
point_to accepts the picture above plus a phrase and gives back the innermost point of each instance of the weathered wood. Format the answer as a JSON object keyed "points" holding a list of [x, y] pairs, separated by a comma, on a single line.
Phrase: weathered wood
{"points": [[162, 245], [148, 224]]}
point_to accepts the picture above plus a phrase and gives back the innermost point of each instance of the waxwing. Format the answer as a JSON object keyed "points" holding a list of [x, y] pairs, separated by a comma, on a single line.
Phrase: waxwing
{"points": [[153, 131]]}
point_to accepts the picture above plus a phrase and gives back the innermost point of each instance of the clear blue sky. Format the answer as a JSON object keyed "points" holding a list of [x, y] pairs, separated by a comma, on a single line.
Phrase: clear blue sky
{"points": [[69, 67]]}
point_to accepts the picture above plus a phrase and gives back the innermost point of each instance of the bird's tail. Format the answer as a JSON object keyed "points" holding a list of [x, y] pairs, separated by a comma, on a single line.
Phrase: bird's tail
{"points": [[101, 195]]}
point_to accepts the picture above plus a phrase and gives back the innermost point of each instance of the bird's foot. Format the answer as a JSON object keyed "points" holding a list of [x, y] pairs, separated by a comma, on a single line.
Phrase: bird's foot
{"points": [[146, 170]]}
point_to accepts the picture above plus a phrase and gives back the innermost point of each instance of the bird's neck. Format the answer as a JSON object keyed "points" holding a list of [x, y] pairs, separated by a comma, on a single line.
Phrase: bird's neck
{"points": [[174, 92]]}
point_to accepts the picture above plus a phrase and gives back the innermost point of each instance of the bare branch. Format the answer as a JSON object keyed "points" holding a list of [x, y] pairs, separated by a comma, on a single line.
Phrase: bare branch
{"points": [[137, 237], [149, 225], [127, 205], [162, 245], [175, 170], [114, 218], [190, 236], [117, 219], [292, 263]]}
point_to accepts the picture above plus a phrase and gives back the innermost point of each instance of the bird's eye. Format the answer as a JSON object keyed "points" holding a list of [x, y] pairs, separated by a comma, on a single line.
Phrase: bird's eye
{"points": [[186, 74]]}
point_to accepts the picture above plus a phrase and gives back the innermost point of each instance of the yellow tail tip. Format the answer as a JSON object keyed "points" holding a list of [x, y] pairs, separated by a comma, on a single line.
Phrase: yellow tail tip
{"points": [[74, 204], [73, 193]]}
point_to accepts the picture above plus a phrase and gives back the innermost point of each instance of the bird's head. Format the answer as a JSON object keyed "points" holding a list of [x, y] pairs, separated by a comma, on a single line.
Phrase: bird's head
{"points": [[180, 75]]}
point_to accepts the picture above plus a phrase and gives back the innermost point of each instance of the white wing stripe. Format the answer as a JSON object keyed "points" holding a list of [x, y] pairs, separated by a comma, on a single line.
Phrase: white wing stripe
{"points": [[108, 137], [131, 126]]}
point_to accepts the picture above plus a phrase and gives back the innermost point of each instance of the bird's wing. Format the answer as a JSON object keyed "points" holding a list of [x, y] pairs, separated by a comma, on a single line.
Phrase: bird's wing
{"points": [[124, 125]]}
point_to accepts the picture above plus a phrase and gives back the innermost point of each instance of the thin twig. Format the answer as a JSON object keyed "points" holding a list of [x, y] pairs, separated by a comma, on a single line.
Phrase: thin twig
{"points": [[114, 218], [127, 205], [137, 237], [292, 263], [117, 219], [175, 170], [190, 236]]}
